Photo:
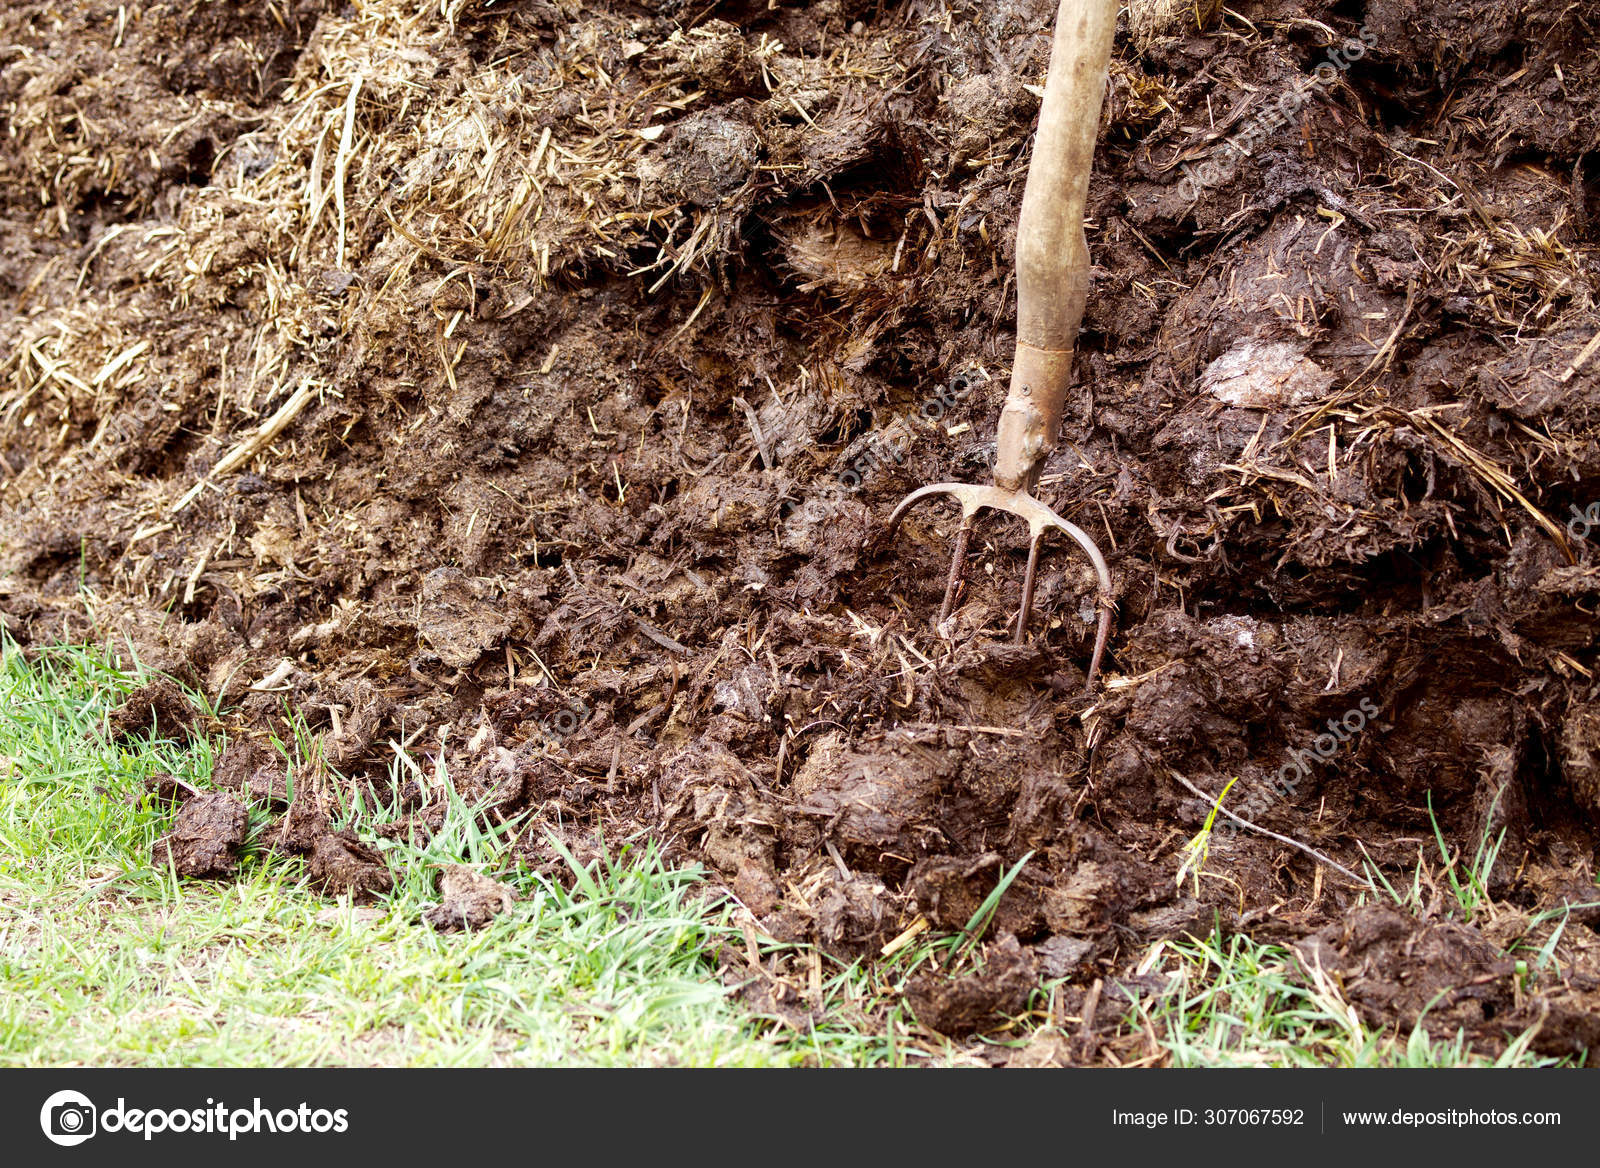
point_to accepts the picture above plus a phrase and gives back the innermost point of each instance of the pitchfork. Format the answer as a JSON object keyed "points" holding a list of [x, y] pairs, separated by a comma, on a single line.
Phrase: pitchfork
{"points": [[1052, 284]]}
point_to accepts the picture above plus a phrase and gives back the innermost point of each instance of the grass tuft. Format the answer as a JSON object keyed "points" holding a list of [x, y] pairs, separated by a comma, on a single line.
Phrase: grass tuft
{"points": [[1234, 1002], [107, 960]]}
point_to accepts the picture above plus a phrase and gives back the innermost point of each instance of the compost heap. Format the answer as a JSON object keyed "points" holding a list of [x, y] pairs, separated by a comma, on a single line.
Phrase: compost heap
{"points": [[525, 384]]}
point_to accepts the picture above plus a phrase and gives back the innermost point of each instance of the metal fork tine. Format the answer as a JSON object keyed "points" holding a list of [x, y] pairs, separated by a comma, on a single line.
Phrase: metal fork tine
{"points": [[958, 568], [1027, 586], [1040, 520]]}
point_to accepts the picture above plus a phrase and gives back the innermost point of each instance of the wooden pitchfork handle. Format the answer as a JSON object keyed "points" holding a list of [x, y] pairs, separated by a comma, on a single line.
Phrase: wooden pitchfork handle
{"points": [[1052, 257], [1052, 284]]}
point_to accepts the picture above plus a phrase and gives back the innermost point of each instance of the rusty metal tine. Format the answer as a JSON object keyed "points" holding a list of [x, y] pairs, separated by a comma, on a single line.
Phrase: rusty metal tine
{"points": [[1039, 519], [1027, 586], [958, 567]]}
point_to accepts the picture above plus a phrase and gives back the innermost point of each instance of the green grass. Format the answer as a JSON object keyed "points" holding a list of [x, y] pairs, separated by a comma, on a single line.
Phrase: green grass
{"points": [[106, 960], [1237, 1003]]}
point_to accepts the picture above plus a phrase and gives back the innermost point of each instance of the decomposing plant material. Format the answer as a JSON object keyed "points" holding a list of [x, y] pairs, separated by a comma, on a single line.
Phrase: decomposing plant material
{"points": [[1199, 848], [502, 337]]}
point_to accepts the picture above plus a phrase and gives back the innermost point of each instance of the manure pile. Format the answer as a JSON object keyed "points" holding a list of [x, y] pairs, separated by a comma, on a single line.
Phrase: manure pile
{"points": [[527, 382]]}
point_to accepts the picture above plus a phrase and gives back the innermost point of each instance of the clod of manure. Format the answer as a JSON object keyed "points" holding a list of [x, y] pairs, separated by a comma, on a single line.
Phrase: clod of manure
{"points": [[469, 900]]}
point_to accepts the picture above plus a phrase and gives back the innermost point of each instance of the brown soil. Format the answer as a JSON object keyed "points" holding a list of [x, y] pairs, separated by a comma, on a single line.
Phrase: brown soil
{"points": [[159, 707], [467, 900], [206, 837], [499, 377]]}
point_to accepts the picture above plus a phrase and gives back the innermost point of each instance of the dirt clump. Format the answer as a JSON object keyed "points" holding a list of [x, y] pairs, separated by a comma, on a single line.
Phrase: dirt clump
{"points": [[205, 838], [1391, 966], [158, 708], [254, 769], [344, 865], [467, 900], [299, 828], [999, 988]]}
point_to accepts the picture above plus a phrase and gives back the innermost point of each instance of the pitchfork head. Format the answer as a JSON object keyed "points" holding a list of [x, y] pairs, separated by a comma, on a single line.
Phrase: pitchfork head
{"points": [[1040, 519]]}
